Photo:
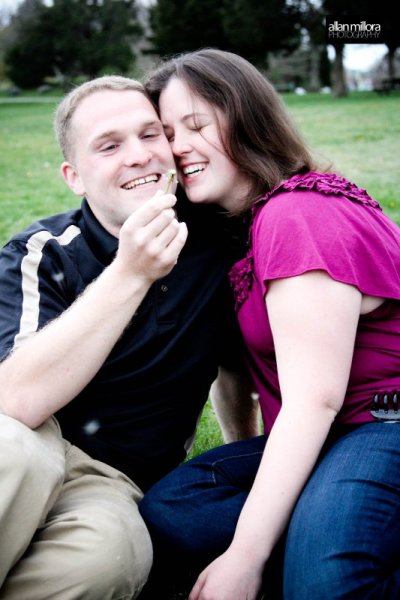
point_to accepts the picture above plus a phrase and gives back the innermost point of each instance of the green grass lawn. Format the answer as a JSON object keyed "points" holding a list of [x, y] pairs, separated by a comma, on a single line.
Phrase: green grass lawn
{"points": [[31, 185], [359, 134]]}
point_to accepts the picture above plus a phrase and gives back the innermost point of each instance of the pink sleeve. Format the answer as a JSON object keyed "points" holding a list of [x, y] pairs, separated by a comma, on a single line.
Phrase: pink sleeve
{"points": [[304, 230]]}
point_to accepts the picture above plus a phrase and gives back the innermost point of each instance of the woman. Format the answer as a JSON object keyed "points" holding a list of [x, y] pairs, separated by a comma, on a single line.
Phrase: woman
{"points": [[318, 303]]}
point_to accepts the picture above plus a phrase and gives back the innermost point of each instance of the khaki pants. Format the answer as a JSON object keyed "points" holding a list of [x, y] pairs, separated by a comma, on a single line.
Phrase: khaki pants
{"points": [[69, 525]]}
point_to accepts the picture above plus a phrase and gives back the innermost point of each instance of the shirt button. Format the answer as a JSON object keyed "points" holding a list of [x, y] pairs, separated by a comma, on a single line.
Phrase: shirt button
{"points": [[164, 288]]}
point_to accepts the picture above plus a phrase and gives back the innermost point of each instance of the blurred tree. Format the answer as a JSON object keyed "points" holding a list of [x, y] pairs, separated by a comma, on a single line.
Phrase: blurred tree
{"points": [[344, 8], [4, 39], [256, 27], [71, 37], [26, 49], [391, 31], [182, 25], [313, 24], [392, 43], [325, 68], [251, 28]]}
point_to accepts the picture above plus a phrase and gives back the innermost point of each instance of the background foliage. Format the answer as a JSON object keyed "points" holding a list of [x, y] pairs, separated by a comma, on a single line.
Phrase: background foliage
{"points": [[251, 28], [66, 39], [70, 38]]}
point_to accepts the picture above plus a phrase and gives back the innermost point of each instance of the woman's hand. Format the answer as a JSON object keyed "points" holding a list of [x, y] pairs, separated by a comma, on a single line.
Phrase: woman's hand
{"points": [[231, 576]]}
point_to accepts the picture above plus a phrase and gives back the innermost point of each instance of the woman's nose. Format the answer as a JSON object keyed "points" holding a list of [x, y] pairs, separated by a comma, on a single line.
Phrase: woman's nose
{"points": [[180, 145]]}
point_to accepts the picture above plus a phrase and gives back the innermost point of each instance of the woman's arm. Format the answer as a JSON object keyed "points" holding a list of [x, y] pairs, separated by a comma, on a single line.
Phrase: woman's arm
{"points": [[314, 321]]}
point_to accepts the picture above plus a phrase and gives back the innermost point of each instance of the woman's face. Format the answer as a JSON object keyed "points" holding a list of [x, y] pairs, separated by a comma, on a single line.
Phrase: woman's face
{"points": [[204, 169]]}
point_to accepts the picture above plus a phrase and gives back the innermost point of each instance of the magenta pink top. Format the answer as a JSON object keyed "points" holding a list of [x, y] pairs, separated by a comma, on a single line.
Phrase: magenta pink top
{"points": [[321, 221]]}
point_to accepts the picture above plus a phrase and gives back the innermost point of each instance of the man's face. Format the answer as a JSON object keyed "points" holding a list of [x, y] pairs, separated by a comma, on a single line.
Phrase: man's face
{"points": [[119, 153]]}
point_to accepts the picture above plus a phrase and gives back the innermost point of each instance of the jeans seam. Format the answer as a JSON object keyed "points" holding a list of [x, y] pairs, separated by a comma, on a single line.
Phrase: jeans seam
{"points": [[220, 460], [215, 464]]}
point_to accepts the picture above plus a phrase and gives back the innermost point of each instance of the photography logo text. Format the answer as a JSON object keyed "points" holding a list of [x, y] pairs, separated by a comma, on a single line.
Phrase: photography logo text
{"points": [[354, 30]]}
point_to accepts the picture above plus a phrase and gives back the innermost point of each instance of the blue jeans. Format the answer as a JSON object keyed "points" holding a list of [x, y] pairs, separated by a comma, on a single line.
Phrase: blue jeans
{"points": [[343, 539]]}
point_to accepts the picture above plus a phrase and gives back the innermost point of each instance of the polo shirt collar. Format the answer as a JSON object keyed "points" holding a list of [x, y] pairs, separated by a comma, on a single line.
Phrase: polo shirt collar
{"points": [[103, 244]]}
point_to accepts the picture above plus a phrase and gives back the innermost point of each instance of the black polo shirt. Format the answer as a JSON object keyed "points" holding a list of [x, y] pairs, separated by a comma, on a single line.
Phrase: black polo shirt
{"points": [[140, 410]]}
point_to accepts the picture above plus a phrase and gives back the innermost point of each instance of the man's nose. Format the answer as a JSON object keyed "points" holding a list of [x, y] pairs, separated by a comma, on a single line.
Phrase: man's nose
{"points": [[137, 153]]}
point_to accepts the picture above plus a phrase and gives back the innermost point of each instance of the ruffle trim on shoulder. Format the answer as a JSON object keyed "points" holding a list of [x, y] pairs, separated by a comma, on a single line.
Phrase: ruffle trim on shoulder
{"points": [[241, 279], [325, 183]]}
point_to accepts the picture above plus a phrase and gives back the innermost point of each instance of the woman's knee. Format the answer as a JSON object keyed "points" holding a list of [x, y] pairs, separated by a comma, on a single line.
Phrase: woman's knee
{"points": [[337, 577], [344, 534], [209, 481], [158, 508], [192, 512]]}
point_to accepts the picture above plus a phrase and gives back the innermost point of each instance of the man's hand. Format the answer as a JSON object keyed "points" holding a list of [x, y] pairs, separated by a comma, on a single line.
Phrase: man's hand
{"points": [[151, 239]]}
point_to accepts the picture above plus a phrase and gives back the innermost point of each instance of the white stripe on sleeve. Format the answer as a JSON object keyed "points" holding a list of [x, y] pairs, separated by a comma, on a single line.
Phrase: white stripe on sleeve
{"points": [[30, 279]]}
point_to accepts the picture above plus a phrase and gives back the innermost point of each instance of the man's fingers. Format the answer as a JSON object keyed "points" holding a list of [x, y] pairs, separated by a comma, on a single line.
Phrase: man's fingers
{"points": [[174, 248], [143, 234], [167, 246], [165, 236], [152, 250], [161, 222], [151, 209]]}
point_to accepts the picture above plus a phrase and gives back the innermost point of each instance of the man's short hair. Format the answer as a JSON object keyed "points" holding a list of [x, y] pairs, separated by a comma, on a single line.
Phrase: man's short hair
{"points": [[68, 105]]}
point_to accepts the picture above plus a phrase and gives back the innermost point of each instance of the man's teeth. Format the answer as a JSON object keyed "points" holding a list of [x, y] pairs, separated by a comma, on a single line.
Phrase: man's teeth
{"points": [[193, 169], [140, 181]]}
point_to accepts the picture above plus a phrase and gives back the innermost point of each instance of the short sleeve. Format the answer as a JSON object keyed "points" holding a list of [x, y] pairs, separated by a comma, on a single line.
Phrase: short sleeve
{"points": [[304, 230], [32, 292]]}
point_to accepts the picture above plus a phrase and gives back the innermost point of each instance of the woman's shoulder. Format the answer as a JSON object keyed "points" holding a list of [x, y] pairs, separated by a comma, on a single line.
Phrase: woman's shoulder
{"points": [[320, 184], [320, 221], [318, 205]]}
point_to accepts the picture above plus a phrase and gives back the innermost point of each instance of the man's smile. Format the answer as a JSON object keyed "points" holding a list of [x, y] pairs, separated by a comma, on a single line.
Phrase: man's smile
{"points": [[139, 181]]}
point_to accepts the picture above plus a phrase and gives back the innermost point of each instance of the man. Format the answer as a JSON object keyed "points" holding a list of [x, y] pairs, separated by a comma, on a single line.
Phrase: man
{"points": [[115, 320]]}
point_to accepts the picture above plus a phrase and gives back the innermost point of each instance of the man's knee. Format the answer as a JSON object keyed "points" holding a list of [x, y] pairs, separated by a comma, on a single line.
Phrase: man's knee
{"points": [[117, 558], [31, 455]]}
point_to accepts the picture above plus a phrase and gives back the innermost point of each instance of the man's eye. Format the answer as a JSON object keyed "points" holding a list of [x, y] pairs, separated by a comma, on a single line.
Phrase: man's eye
{"points": [[109, 148], [151, 134]]}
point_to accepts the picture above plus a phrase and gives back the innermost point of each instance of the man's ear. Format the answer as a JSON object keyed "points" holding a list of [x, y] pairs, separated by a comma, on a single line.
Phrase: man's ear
{"points": [[72, 178]]}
